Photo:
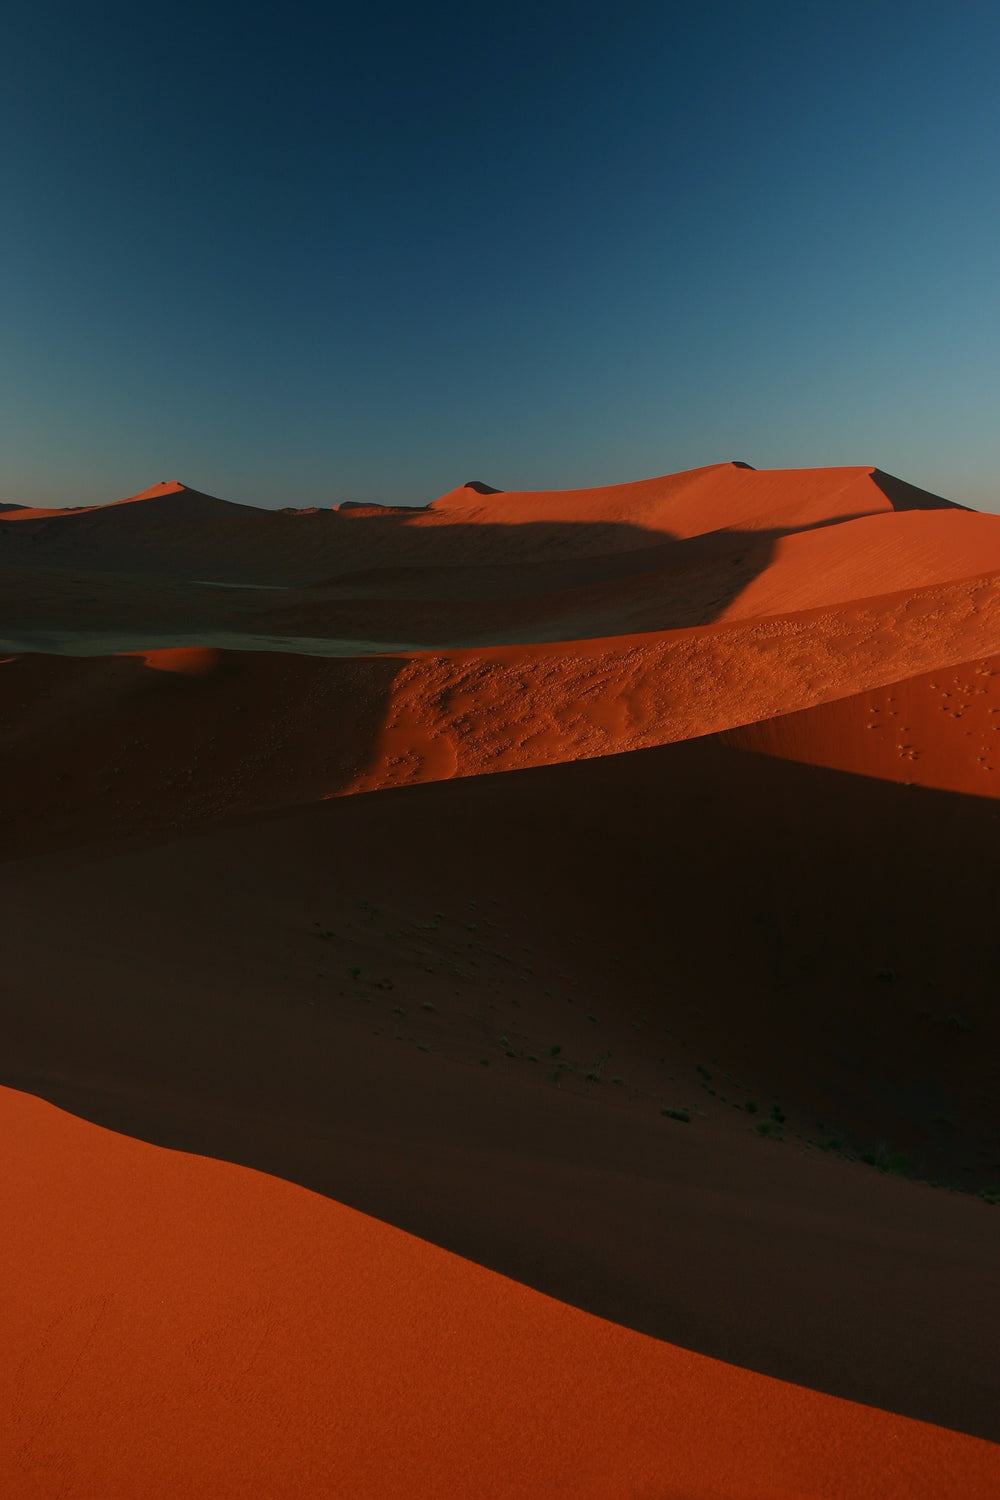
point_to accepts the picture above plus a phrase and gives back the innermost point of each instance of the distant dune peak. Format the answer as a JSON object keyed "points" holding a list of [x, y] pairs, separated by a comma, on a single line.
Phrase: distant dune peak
{"points": [[480, 488], [164, 487]]}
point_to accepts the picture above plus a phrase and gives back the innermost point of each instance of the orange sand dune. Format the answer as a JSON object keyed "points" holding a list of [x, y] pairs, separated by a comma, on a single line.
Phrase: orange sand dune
{"points": [[315, 994], [184, 504], [869, 556], [939, 729], [742, 575], [177, 532], [646, 1022], [703, 500], [683, 551], [190, 661], [475, 711], [177, 1326], [100, 743]]}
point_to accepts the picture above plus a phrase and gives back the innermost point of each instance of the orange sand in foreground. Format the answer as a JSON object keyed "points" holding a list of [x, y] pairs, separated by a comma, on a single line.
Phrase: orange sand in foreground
{"points": [[180, 1326]]}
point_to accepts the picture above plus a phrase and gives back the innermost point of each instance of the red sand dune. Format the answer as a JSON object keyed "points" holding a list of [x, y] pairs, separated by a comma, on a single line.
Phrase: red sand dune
{"points": [[180, 496], [810, 933], [225, 542], [190, 661], [178, 1326], [270, 730], [702, 500], [939, 729]]}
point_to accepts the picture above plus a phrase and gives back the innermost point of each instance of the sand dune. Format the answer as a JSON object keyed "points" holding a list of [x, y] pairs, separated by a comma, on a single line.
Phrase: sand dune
{"points": [[527, 817], [939, 729], [103, 745], [202, 1316], [173, 531]]}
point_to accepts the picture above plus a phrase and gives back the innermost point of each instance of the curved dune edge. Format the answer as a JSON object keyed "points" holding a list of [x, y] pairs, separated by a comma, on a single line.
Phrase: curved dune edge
{"points": [[176, 1325], [938, 729], [464, 713], [258, 731], [172, 531]]}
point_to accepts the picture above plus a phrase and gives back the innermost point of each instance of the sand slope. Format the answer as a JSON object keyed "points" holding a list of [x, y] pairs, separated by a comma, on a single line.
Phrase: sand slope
{"points": [[265, 993], [207, 1331], [174, 531], [938, 729], [112, 745]]}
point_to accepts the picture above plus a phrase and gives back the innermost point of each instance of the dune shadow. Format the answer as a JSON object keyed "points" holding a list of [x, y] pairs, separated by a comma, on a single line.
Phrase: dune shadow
{"points": [[822, 940], [903, 496], [105, 748], [375, 578], [99, 747]]}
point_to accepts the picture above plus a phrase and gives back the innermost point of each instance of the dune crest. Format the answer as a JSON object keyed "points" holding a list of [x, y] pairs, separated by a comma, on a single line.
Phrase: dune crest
{"points": [[241, 1335]]}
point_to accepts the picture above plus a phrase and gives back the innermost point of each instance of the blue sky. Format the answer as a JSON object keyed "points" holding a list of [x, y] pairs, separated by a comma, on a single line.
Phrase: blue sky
{"points": [[309, 253]]}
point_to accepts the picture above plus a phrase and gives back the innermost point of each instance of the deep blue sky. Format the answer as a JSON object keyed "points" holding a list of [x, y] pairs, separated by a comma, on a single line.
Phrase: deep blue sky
{"points": [[295, 254]]}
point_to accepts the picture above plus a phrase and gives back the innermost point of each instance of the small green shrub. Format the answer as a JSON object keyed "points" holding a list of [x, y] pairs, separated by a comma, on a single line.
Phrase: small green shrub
{"points": [[683, 1115]]}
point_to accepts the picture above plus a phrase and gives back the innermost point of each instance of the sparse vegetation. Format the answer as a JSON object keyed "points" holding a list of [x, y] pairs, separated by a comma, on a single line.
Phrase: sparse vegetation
{"points": [[683, 1115], [895, 1162], [597, 1070]]}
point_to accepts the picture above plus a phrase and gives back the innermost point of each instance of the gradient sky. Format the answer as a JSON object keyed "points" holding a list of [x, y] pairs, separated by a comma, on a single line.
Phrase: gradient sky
{"points": [[299, 254]]}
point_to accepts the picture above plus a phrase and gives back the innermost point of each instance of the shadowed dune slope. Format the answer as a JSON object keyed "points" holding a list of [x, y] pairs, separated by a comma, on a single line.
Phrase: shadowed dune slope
{"points": [[191, 1330], [316, 994], [94, 746], [173, 531], [169, 499], [683, 551]]}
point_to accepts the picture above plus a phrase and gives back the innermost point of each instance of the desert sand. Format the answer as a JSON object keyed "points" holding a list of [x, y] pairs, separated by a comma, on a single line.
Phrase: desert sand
{"points": [[499, 998]]}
